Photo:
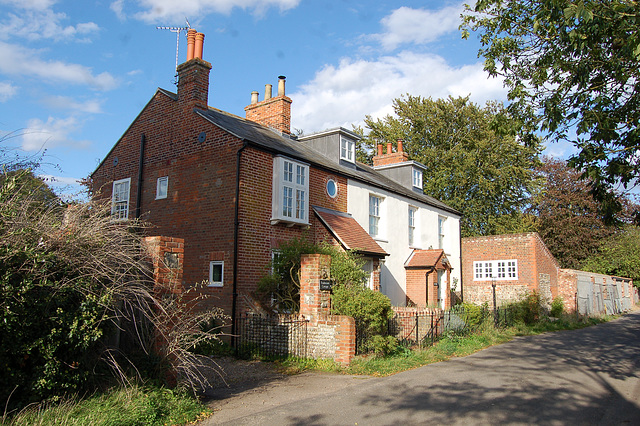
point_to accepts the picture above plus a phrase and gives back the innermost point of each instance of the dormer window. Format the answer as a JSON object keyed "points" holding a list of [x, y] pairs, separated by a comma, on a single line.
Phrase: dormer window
{"points": [[347, 149], [417, 178]]}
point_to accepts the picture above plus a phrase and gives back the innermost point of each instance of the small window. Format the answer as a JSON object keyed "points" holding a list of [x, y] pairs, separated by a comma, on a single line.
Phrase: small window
{"points": [[412, 225], [161, 187], [498, 270], [374, 215], [417, 178], [120, 199], [332, 188], [216, 273], [441, 221], [347, 150]]}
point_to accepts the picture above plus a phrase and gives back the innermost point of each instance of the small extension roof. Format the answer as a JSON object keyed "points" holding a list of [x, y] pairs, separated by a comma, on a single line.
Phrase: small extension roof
{"points": [[348, 232]]}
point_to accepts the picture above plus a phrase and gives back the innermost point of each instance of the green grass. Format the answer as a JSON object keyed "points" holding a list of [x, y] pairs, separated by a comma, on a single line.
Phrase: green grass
{"points": [[131, 406], [448, 347]]}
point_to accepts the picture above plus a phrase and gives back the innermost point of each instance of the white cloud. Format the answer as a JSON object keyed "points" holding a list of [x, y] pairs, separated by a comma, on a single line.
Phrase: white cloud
{"points": [[420, 26], [7, 91], [53, 133], [60, 180], [17, 60], [175, 11], [93, 106], [30, 4], [117, 7], [342, 95], [44, 24]]}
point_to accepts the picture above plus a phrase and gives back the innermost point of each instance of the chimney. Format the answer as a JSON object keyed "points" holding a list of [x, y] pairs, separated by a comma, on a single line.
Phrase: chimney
{"points": [[191, 41], [193, 75], [390, 157], [272, 112], [254, 97]]}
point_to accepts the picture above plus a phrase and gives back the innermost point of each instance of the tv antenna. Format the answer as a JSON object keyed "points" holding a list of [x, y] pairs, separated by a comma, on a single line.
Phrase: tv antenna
{"points": [[176, 30]]}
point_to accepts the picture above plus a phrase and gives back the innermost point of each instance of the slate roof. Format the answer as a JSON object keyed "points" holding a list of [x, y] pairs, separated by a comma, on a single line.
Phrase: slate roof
{"points": [[424, 258], [273, 141], [349, 232]]}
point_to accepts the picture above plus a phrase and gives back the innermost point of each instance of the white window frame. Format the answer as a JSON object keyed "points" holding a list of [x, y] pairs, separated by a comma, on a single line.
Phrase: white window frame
{"points": [[347, 149], [375, 215], [220, 282], [499, 270], [412, 212], [290, 200], [441, 231], [162, 187], [416, 178], [120, 199]]}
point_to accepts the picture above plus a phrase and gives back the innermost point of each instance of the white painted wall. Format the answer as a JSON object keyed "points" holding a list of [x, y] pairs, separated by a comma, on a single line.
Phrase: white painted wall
{"points": [[394, 234]]}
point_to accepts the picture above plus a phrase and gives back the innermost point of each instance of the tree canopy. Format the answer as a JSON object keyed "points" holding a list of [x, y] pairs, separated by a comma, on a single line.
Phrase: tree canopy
{"points": [[474, 161], [566, 215], [571, 68], [618, 255]]}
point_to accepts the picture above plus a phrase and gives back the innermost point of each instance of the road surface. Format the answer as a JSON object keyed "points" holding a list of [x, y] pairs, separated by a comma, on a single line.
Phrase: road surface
{"points": [[579, 377]]}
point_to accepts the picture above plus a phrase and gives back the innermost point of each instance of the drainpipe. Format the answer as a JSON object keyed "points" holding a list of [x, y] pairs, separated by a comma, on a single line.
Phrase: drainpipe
{"points": [[236, 226], [140, 164], [461, 284]]}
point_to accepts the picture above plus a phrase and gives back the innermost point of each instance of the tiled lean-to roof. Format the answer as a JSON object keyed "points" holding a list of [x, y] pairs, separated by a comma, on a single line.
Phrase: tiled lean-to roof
{"points": [[349, 232]]}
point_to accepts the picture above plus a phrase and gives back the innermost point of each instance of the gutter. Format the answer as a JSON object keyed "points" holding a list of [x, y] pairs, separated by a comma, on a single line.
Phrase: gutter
{"points": [[236, 226]]}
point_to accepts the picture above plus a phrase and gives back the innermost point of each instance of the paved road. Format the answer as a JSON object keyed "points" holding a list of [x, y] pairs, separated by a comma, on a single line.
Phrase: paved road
{"points": [[588, 376]]}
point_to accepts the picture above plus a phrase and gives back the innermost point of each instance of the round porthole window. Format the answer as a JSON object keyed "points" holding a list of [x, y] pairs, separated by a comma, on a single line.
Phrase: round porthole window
{"points": [[332, 188]]}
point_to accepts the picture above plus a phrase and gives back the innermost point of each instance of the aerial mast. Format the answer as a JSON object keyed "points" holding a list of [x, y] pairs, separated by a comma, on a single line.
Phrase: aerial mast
{"points": [[176, 30]]}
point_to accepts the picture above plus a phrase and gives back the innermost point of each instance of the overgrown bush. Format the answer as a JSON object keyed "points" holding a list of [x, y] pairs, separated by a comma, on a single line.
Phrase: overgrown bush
{"points": [[475, 314], [70, 279], [528, 310], [280, 289], [557, 307]]}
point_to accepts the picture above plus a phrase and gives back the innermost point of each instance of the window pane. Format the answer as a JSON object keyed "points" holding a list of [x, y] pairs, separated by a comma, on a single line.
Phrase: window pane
{"points": [[300, 209], [287, 202], [288, 171]]}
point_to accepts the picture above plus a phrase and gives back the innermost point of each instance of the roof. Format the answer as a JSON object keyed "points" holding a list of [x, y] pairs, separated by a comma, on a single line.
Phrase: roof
{"points": [[425, 258], [274, 141], [348, 232]]}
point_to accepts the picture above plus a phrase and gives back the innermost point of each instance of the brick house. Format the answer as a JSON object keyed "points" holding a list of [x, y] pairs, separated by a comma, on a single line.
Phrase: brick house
{"points": [[234, 188], [521, 263]]}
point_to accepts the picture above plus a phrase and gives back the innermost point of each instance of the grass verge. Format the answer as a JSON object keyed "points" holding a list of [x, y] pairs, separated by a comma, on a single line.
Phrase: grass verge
{"points": [[450, 346], [133, 406]]}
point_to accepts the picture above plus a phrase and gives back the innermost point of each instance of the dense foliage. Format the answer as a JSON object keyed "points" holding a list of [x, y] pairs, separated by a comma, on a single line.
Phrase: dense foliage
{"points": [[618, 255], [76, 298], [474, 161], [567, 217], [571, 68]]}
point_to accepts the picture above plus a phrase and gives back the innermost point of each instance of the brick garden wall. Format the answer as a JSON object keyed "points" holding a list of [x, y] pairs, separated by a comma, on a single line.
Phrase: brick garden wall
{"points": [[537, 269]]}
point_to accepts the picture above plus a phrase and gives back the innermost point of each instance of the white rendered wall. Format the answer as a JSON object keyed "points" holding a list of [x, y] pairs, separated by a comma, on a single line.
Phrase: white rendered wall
{"points": [[394, 234]]}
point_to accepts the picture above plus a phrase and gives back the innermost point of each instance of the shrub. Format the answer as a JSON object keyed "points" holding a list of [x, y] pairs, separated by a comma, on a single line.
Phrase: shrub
{"points": [[70, 279], [557, 307], [280, 289]]}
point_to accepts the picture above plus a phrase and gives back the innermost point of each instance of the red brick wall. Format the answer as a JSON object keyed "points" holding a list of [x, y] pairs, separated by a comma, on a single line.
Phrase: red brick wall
{"points": [[257, 237], [201, 194], [533, 259], [273, 112], [568, 288]]}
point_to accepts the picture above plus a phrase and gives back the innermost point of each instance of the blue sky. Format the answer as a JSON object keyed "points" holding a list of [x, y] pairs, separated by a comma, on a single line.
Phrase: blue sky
{"points": [[74, 74]]}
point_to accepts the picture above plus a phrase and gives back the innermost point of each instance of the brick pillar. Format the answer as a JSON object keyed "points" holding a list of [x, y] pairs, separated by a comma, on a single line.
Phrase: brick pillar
{"points": [[167, 258], [313, 301]]}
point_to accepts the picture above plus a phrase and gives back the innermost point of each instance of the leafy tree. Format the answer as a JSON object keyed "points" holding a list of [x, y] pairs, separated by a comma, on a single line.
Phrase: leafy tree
{"points": [[566, 216], [571, 66], [474, 161], [618, 255]]}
